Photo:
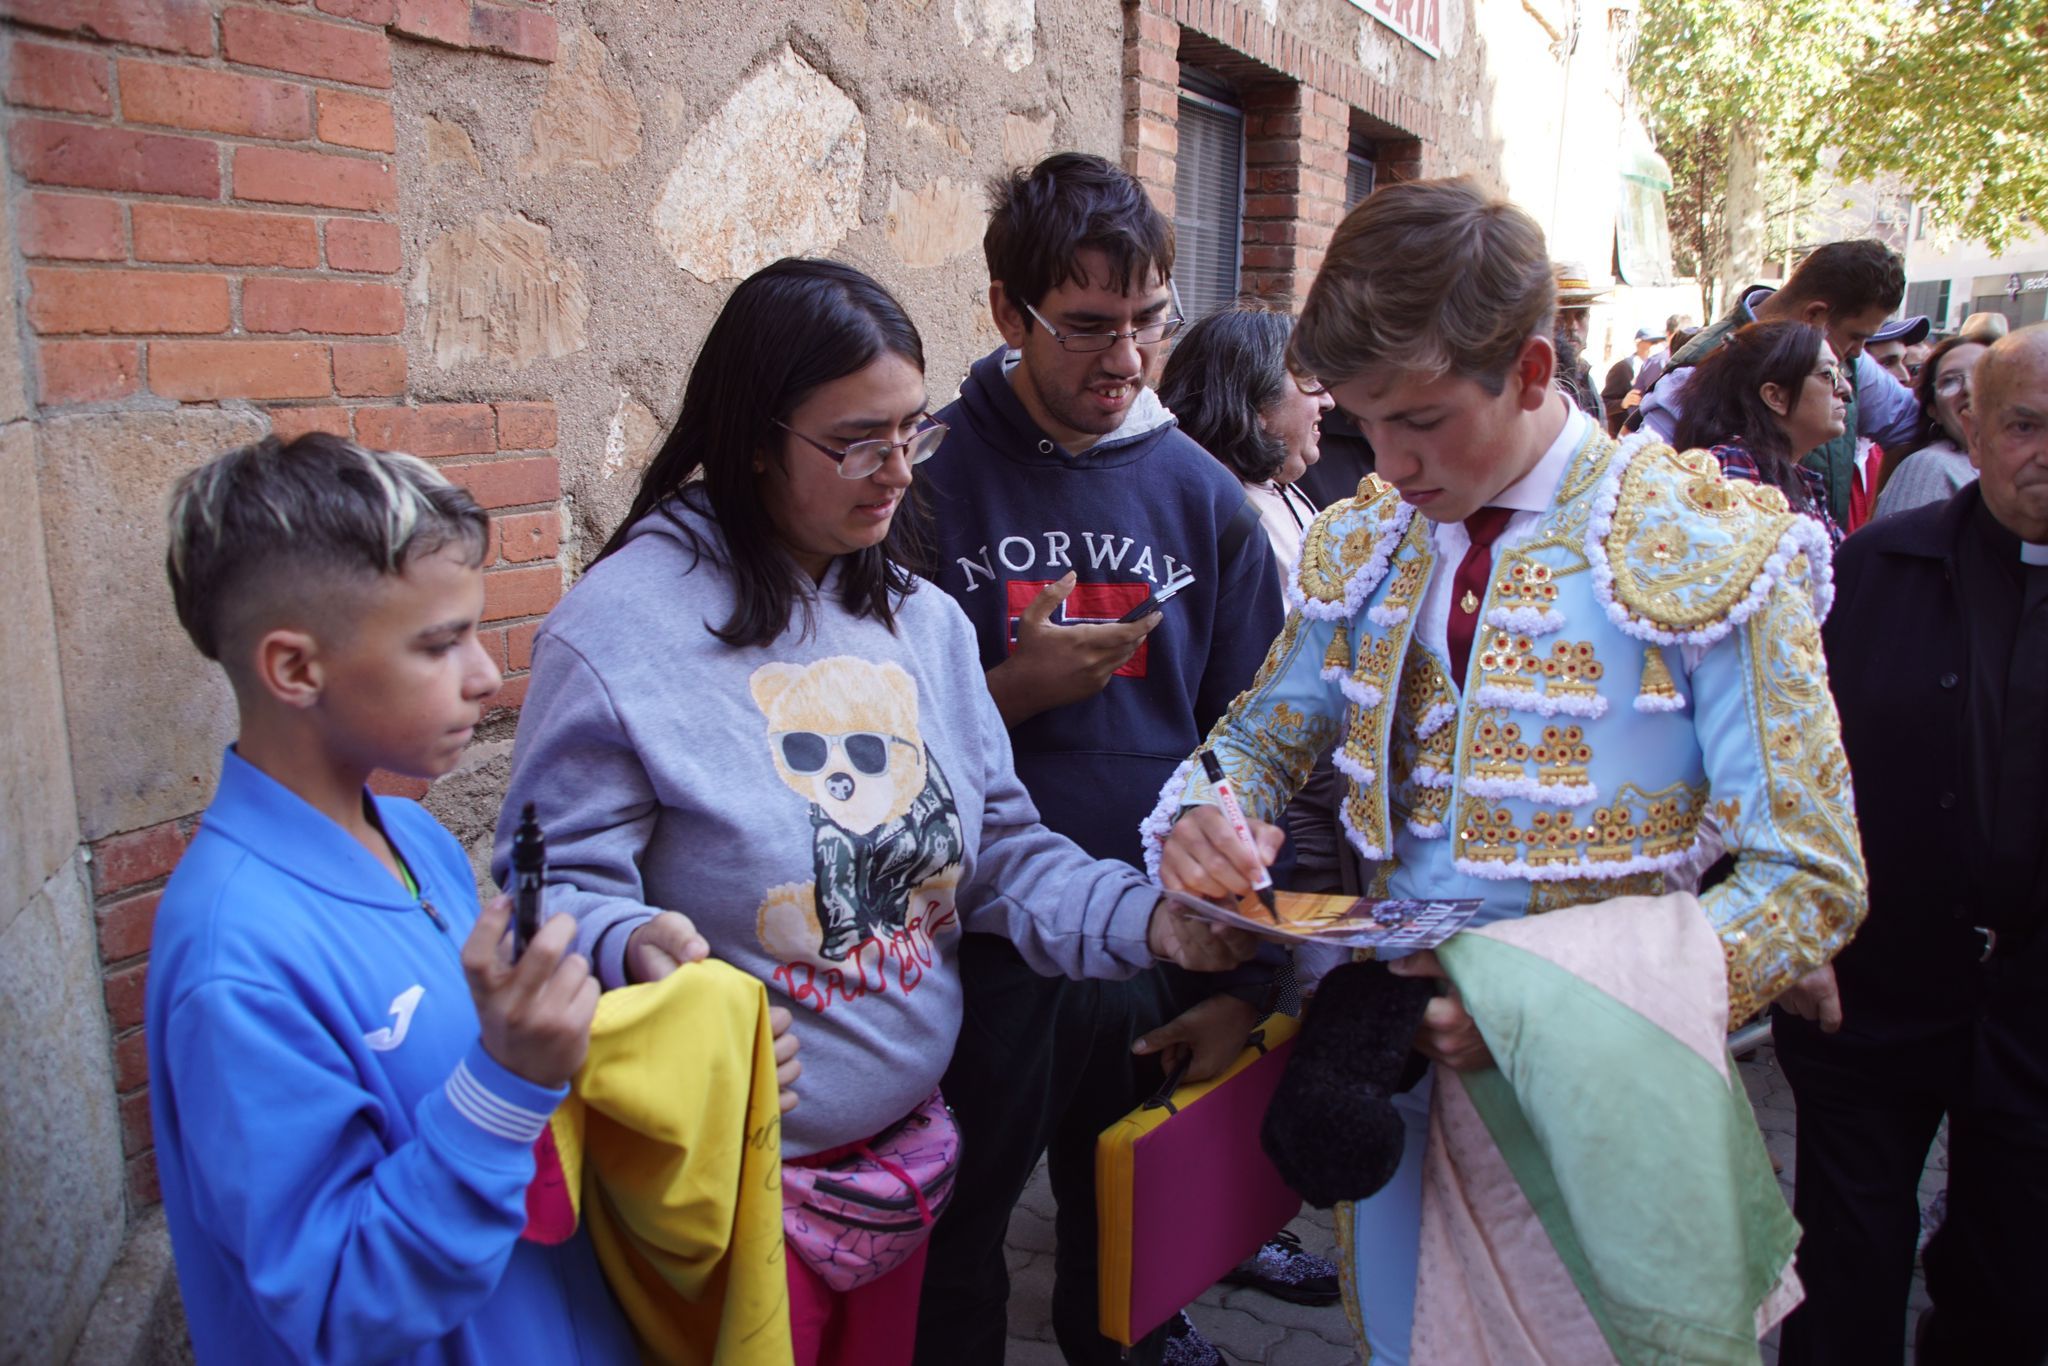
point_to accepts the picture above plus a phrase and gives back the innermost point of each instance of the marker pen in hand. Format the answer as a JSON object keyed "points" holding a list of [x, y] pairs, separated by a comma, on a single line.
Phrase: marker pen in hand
{"points": [[1226, 799], [529, 871]]}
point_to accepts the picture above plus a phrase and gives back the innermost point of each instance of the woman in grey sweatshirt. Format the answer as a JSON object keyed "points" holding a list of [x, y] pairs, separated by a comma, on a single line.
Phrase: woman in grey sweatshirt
{"points": [[749, 711]]}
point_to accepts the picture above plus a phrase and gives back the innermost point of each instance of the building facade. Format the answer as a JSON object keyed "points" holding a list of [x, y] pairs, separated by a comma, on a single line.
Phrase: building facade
{"points": [[492, 232], [1948, 280]]}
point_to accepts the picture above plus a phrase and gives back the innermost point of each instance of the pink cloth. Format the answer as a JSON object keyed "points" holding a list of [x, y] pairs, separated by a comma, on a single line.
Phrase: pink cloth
{"points": [[874, 1325]]}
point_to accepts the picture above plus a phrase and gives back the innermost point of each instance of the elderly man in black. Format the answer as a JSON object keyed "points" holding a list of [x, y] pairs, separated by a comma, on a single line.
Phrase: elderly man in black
{"points": [[1938, 655]]}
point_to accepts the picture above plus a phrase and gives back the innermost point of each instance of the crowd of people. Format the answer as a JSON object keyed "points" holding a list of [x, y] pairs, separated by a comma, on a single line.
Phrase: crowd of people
{"points": [[891, 722]]}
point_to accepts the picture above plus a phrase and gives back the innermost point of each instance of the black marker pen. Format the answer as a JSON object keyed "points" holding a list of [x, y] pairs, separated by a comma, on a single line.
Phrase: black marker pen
{"points": [[1226, 798], [529, 871]]}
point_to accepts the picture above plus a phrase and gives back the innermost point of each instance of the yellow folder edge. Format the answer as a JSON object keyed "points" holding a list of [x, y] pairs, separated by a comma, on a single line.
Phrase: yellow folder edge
{"points": [[1113, 1177]]}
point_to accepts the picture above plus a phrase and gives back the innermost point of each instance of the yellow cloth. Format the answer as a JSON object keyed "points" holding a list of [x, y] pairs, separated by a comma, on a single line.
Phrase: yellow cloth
{"points": [[671, 1149]]}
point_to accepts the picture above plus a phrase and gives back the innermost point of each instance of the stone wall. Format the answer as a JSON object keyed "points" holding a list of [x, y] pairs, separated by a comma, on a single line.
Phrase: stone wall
{"points": [[493, 232]]}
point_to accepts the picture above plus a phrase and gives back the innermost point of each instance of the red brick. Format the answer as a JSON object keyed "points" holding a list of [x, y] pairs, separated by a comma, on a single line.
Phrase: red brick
{"points": [[434, 430], [101, 301], [306, 47], [515, 32], [526, 426], [213, 101], [519, 646], [528, 536], [332, 306], [125, 926], [442, 21], [274, 175], [129, 860], [167, 25], [224, 237], [399, 785], [198, 371], [494, 644], [364, 245], [507, 483], [289, 423], [131, 1061], [351, 120], [72, 227], [511, 695], [369, 369], [49, 153], [88, 371], [124, 991], [135, 1131], [376, 12], [66, 78], [144, 1189]]}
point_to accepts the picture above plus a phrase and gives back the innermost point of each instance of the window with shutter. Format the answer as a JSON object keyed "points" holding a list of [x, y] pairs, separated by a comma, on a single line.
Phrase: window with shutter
{"points": [[1208, 202], [1359, 173]]}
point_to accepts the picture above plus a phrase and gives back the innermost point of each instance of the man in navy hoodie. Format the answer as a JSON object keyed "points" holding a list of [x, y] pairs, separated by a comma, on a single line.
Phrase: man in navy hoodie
{"points": [[1064, 497]]}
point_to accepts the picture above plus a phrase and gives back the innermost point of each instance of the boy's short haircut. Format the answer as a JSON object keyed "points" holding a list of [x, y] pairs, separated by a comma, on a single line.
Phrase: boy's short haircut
{"points": [[1041, 220], [256, 531], [1849, 277], [1431, 278]]}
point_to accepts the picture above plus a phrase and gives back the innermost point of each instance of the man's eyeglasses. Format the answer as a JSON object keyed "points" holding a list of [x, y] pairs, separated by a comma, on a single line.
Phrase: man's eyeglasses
{"points": [[863, 458], [1150, 334]]}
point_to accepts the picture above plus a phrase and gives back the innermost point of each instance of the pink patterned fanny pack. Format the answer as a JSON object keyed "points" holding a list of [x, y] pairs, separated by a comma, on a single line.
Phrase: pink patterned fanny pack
{"points": [[856, 1213]]}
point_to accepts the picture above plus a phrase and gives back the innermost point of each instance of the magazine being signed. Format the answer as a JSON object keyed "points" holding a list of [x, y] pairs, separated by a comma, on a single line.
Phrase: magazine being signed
{"points": [[1404, 924]]}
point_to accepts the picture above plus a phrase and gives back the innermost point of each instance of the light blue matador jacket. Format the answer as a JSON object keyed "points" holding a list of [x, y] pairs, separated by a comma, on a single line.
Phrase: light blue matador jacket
{"points": [[1648, 660]]}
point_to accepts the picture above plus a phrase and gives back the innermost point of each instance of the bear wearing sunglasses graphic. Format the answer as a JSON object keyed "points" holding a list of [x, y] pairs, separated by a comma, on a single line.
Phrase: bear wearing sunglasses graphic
{"points": [[843, 734]]}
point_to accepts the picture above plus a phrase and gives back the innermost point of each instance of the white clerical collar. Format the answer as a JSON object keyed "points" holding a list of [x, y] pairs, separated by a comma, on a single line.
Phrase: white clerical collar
{"points": [[2033, 554], [1536, 490]]}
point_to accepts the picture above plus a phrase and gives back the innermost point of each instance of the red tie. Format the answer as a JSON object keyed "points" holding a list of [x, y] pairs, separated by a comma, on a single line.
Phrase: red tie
{"points": [[1859, 492], [1468, 589]]}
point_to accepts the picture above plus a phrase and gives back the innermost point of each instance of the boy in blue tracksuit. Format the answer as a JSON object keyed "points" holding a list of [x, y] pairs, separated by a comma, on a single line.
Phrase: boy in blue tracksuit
{"points": [[348, 1069]]}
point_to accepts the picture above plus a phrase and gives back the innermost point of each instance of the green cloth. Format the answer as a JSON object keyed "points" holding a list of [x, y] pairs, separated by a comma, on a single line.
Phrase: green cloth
{"points": [[1642, 1162]]}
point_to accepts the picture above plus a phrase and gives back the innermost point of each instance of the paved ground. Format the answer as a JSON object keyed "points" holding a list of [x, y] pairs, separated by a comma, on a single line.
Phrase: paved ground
{"points": [[1250, 1327]]}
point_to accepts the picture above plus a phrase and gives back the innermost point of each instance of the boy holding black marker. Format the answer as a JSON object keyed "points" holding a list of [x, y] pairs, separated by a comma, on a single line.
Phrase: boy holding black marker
{"points": [[348, 1070]]}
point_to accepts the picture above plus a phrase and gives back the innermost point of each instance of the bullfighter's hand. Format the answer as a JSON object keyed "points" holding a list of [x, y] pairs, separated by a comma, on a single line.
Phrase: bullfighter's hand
{"points": [[1816, 997], [1204, 857]]}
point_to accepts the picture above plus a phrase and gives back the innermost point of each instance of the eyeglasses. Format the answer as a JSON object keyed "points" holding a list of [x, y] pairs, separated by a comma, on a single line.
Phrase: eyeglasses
{"points": [[1831, 375], [1954, 382], [1151, 334], [863, 458], [1310, 385], [805, 752]]}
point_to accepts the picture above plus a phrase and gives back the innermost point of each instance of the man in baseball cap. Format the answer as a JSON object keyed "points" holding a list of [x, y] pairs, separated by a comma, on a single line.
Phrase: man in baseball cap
{"points": [[1887, 346]]}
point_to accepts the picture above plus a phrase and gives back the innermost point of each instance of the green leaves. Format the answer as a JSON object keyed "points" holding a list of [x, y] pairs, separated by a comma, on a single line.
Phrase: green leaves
{"points": [[1947, 94]]}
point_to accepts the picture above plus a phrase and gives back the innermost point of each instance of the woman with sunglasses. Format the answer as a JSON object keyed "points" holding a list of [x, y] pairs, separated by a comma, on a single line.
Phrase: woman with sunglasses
{"points": [[749, 712], [1771, 395], [1942, 463]]}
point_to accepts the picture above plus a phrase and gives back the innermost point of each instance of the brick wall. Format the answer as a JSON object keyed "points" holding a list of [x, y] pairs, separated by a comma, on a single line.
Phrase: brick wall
{"points": [[1300, 106], [208, 214]]}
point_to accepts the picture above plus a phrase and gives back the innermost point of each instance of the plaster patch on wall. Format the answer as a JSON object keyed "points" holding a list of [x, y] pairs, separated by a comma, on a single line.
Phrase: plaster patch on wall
{"points": [[1026, 138], [449, 145], [1451, 38], [585, 118], [856, 15], [919, 118], [491, 291], [629, 440], [1001, 30], [1269, 10], [775, 172], [1376, 51], [931, 226]]}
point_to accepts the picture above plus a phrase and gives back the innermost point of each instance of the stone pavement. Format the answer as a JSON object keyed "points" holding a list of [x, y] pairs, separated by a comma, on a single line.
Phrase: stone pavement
{"points": [[1250, 1327]]}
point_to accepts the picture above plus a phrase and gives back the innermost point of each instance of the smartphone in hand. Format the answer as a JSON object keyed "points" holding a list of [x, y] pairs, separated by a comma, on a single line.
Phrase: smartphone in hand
{"points": [[1154, 600]]}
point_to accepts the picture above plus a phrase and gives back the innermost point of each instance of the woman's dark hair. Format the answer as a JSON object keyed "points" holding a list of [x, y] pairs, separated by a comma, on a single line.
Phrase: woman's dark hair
{"points": [[1724, 399], [1923, 390], [1224, 372], [789, 328]]}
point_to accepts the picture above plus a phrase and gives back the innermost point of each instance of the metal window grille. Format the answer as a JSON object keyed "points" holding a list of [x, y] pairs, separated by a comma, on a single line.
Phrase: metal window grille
{"points": [[1928, 298], [1359, 173], [1208, 203]]}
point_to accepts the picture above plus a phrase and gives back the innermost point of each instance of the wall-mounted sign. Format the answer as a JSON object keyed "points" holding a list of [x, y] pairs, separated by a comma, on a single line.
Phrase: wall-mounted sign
{"points": [[1421, 22]]}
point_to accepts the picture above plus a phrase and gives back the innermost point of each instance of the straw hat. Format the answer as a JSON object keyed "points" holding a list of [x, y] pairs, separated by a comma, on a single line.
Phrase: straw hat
{"points": [[1575, 288]]}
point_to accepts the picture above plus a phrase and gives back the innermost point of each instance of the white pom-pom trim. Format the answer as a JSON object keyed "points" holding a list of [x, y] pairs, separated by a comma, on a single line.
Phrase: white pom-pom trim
{"points": [[1533, 621], [1154, 829], [1429, 775], [1361, 583], [1654, 702], [1434, 719], [1558, 872], [1591, 706], [1361, 694], [1367, 850], [1342, 760], [1384, 615], [1431, 830], [1802, 535], [1531, 790]]}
